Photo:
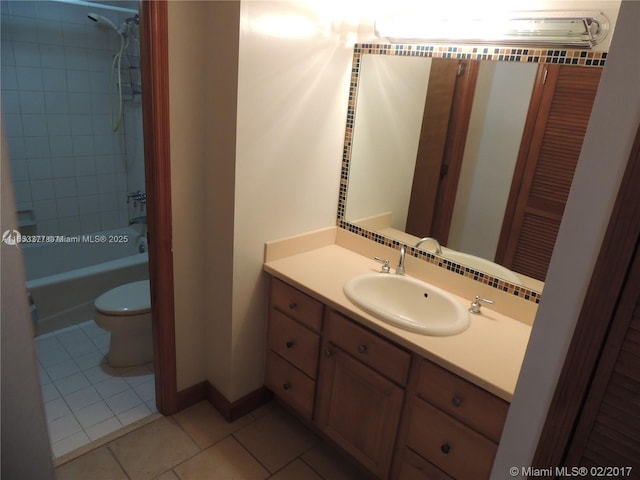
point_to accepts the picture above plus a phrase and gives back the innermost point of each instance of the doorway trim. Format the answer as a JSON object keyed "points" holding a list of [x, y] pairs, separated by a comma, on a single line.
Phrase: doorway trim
{"points": [[154, 53]]}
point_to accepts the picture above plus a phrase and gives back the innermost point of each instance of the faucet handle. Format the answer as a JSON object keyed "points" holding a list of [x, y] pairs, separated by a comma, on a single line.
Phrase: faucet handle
{"points": [[385, 264], [475, 305]]}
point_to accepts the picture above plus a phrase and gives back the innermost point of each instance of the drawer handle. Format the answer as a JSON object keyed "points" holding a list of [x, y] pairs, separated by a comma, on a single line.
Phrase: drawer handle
{"points": [[362, 348], [289, 345], [293, 305], [456, 401], [446, 448], [286, 386]]}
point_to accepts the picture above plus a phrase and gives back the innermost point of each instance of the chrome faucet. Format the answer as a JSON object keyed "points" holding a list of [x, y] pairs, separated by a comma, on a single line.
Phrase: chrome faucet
{"points": [[438, 250], [400, 267], [138, 220], [475, 305]]}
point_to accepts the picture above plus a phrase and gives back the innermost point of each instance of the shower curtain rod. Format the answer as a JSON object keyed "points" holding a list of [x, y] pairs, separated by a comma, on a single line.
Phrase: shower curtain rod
{"points": [[83, 3]]}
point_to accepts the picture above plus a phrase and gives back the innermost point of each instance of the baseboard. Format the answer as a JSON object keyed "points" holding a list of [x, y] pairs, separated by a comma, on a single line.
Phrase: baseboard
{"points": [[231, 411], [192, 395]]}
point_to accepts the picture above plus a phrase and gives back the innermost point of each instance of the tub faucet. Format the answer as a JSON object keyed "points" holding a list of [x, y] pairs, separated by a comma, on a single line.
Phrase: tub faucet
{"points": [[400, 267], [438, 250], [138, 220]]}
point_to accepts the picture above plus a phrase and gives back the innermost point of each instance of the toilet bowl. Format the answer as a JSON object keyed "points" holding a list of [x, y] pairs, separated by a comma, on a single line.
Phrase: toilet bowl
{"points": [[125, 312]]}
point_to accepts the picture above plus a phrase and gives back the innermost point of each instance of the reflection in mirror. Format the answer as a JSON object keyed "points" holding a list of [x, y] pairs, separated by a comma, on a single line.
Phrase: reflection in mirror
{"points": [[435, 145]]}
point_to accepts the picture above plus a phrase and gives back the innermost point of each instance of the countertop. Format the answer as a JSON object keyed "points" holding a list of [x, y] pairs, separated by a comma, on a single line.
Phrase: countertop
{"points": [[489, 353]]}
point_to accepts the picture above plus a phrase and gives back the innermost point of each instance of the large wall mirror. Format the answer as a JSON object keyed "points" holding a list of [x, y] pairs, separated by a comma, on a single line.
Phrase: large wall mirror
{"points": [[472, 147]]}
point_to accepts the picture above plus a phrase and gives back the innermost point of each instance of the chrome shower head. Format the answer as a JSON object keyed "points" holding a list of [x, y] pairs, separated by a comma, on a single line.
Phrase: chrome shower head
{"points": [[103, 21]]}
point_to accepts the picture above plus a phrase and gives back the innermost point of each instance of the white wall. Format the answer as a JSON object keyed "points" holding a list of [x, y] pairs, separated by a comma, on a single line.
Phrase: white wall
{"points": [[391, 96], [292, 96], [237, 183], [608, 142]]}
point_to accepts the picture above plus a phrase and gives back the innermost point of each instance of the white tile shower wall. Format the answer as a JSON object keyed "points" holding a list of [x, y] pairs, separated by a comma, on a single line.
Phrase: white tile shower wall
{"points": [[67, 164]]}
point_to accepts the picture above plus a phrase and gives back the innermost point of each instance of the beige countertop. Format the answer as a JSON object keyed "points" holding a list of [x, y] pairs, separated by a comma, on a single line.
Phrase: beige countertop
{"points": [[489, 353]]}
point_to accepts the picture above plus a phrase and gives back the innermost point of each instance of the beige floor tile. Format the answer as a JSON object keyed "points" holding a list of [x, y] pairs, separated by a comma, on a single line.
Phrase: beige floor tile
{"points": [[333, 464], [206, 425], [276, 439], [153, 449], [170, 475], [97, 465], [296, 470], [225, 460]]}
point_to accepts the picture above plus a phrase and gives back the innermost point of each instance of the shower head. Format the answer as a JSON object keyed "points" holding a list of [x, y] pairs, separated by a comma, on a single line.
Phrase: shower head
{"points": [[103, 21]]}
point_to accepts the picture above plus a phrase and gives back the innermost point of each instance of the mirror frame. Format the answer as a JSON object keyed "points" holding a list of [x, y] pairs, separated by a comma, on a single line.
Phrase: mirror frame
{"points": [[509, 54]]}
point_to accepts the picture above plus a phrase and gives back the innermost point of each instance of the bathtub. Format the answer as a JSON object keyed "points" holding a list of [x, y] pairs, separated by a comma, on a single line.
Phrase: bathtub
{"points": [[64, 278]]}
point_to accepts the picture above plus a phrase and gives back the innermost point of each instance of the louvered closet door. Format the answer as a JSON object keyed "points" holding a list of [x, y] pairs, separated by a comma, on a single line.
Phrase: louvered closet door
{"points": [[557, 123], [608, 432]]}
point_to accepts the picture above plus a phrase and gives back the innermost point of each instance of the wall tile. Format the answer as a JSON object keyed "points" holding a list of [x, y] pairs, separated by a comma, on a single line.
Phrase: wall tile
{"points": [[67, 207], [42, 190], [40, 168], [56, 102], [57, 96], [55, 80], [29, 78], [63, 167], [61, 145], [65, 187]]}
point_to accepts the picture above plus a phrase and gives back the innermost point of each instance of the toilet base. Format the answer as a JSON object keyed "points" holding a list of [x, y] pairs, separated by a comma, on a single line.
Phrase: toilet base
{"points": [[130, 347]]}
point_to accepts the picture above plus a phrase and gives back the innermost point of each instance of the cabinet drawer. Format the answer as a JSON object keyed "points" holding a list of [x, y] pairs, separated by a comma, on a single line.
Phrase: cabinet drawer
{"points": [[414, 467], [367, 347], [290, 384], [468, 403], [448, 444], [293, 342], [296, 304]]}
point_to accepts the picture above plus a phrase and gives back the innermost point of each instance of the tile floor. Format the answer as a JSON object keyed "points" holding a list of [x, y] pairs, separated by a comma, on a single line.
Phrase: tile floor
{"points": [[198, 444], [84, 397]]}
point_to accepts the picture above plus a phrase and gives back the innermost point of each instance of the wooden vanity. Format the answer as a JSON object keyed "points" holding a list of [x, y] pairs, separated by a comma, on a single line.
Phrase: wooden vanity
{"points": [[397, 413]]}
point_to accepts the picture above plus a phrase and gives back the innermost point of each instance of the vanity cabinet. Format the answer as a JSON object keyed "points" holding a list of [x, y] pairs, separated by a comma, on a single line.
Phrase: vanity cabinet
{"points": [[451, 429], [361, 392], [396, 413], [293, 343]]}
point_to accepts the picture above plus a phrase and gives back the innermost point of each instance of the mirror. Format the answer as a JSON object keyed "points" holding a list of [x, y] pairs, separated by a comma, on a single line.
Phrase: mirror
{"points": [[393, 93]]}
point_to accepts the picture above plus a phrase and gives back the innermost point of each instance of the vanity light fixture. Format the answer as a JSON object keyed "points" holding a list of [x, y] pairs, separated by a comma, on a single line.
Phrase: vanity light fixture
{"points": [[533, 28]]}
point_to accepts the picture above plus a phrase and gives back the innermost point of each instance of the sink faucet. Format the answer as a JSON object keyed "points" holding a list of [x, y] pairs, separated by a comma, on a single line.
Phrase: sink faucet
{"points": [[400, 267], [433, 240]]}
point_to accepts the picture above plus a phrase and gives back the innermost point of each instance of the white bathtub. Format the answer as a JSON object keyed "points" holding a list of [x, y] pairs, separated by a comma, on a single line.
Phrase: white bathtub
{"points": [[64, 278]]}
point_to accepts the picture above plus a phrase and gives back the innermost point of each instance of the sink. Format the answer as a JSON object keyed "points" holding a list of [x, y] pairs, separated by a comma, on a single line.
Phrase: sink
{"points": [[482, 265], [407, 303]]}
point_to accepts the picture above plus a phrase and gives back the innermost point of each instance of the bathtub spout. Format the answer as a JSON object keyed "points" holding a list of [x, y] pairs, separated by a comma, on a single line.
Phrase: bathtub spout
{"points": [[138, 220]]}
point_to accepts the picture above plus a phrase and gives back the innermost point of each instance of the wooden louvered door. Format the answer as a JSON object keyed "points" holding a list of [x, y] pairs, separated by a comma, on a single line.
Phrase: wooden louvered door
{"points": [[608, 432], [555, 128]]}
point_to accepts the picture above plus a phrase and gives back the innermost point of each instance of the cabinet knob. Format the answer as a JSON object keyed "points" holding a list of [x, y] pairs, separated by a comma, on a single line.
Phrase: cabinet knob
{"points": [[446, 448], [328, 353], [456, 401], [293, 305], [286, 386], [289, 344], [362, 348]]}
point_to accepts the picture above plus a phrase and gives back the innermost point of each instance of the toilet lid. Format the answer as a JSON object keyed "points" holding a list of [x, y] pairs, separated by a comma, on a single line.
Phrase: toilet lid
{"points": [[129, 299]]}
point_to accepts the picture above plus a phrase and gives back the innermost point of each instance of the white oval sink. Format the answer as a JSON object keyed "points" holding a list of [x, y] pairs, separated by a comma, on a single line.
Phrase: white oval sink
{"points": [[407, 303]]}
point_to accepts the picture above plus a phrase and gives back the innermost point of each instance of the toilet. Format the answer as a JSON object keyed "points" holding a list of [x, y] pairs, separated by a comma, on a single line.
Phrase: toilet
{"points": [[125, 312]]}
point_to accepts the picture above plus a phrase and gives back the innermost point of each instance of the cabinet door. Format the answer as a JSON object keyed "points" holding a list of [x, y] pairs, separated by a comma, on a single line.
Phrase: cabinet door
{"points": [[358, 409]]}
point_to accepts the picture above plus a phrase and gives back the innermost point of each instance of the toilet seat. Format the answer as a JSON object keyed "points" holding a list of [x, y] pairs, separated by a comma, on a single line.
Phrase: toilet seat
{"points": [[125, 300]]}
